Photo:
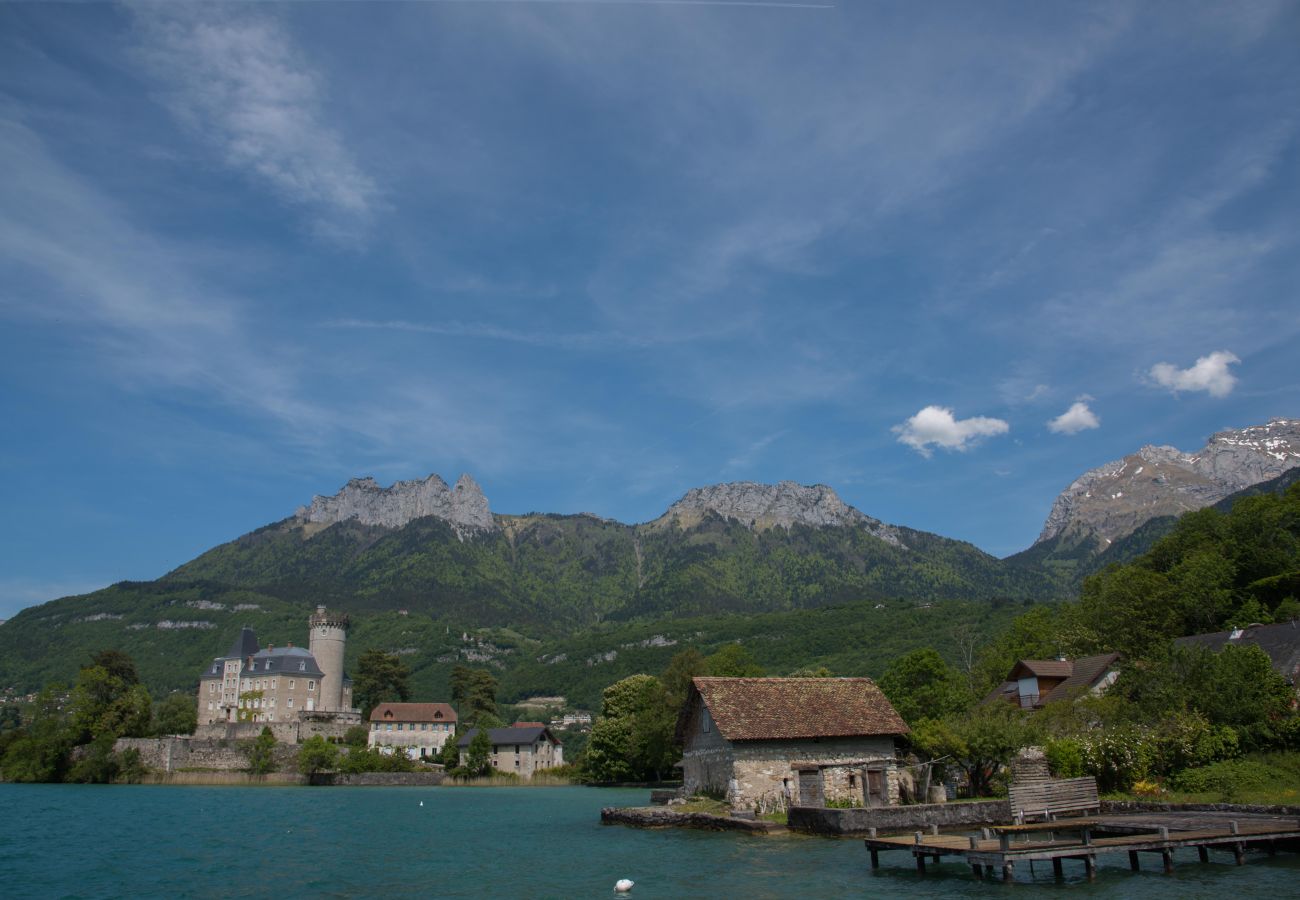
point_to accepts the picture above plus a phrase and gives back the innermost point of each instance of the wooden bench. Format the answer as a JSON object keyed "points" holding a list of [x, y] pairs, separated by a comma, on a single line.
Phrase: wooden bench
{"points": [[1048, 799], [1083, 826]]}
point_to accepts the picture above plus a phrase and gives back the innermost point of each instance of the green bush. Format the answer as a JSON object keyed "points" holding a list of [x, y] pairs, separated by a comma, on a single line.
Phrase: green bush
{"points": [[1229, 779], [1064, 758], [1117, 757]]}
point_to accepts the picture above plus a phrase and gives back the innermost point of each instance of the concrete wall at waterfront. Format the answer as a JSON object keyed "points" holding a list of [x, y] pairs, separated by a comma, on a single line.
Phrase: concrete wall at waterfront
{"points": [[886, 819]]}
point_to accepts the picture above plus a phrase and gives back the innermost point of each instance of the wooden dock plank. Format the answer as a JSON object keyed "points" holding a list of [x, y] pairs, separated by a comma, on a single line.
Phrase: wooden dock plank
{"points": [[1139, 835]]}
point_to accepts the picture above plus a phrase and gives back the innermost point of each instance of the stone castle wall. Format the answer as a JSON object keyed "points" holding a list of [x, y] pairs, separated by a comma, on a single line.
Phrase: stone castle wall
{"points": [[177, 753]]}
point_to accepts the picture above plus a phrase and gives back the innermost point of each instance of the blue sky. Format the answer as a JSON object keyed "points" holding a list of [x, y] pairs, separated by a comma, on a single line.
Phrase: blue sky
{"points": [[943, 258]]}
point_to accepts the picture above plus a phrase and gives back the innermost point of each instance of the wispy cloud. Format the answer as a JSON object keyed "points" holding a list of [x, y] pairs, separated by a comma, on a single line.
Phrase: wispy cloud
{"points": [[19, 593], [1079, 417], [937, 426], [239, 82], [590, 340], [744, 459], [1209, 374]]}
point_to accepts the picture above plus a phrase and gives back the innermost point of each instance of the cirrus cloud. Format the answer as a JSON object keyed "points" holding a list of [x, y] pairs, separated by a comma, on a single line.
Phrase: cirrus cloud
{"points": [[1079, 417], [937, 426], [1209, 374]]}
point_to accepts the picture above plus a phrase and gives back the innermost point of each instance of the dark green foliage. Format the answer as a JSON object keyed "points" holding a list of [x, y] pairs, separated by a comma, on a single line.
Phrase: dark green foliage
{"points": [[676, 678], [177, 714], [449, 758], [356, 736], [920, 685], [261, 753], [98, 763], [1212, 570], [478, 755], [980, 742], [360, 759], [734, 661], [316, 755], [633, 738], [381, 677], [39, 752], [473, 691], [1236, 687]]}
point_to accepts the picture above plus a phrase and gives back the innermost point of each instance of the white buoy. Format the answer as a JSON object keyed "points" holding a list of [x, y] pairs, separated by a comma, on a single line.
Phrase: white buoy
{"points": [[623, 885], [422, 803]]}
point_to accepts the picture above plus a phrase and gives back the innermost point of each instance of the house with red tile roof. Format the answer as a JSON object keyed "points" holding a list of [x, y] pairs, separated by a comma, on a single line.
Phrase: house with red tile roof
{"points": [[771, 743], [1034, 683], [417, 729]]}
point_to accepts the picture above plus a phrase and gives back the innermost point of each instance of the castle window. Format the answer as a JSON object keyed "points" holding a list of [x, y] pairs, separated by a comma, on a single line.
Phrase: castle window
{"points": [[290, 703], [376, 725], [291, 683], [302, 666], [311, 685]]}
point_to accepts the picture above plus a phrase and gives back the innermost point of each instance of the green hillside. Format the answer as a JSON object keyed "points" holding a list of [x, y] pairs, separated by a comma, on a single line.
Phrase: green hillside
{"points": [[534, 584]]}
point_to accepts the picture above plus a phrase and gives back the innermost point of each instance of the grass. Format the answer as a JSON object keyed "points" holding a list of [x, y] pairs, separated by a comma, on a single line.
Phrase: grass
{"points": [[1264, 779], [704, 805]]}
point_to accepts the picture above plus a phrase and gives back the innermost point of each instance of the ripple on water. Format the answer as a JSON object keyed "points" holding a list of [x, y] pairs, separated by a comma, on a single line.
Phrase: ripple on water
{"points": [[93, 842]]}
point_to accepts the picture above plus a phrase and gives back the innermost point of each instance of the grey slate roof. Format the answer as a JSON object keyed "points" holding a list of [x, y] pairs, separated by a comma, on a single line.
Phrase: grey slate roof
{"points": [[1281, 642], [245, 645], [509, 736], [272, 661], [283, 661]]}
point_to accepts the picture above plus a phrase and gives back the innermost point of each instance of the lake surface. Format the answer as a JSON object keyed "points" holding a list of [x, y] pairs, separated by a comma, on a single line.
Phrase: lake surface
{"points": [[139, 841]]}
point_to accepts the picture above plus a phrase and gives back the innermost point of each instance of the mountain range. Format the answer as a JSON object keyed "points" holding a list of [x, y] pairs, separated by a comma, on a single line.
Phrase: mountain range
{"points": [[429, 571]]}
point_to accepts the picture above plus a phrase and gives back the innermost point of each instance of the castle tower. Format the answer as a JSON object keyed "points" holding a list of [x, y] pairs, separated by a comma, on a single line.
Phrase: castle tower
{"points": [[329, 635]]}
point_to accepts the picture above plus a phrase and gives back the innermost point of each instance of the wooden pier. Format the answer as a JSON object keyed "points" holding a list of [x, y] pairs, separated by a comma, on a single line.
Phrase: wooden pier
{"points": [[998, 849]]}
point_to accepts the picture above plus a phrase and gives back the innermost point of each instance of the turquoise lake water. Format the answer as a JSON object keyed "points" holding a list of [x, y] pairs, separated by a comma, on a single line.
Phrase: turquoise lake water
{"points": [[87, 841]]}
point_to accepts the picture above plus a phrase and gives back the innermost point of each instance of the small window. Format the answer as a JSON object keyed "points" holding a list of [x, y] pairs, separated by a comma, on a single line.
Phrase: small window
{"points": [[311, 685], [375, 726], [706, 720], [302, 666], [291, 683], [290, 704]]}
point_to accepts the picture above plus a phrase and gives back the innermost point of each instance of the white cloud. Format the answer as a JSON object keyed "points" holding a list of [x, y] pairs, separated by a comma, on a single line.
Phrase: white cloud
{"points": [[240, 83], [1079, 417], [936, 425], [1210, 374]]}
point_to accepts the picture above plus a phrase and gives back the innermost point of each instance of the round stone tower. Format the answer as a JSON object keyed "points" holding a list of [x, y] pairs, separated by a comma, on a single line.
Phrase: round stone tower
{"points": [[329, 636]]}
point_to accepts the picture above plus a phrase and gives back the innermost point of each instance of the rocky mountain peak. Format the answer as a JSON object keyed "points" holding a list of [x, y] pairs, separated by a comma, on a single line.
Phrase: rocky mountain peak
{"points": [[363, 499], [782, 505], [1115, 499]]}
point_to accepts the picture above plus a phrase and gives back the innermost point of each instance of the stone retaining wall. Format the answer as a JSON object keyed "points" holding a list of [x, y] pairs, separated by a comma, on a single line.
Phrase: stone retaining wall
{"points": [[379, 779], [178, 753], [886, 819], [661, 817]]}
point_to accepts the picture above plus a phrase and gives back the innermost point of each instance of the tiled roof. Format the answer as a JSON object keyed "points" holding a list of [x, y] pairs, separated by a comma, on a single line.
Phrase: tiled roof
{"points": [[413, 712], [755, 709], [1045, 668], [1087, 671]]}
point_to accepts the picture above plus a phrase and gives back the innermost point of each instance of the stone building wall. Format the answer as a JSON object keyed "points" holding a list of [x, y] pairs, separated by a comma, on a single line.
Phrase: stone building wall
{"points": [[708, 758], [764, 776]]}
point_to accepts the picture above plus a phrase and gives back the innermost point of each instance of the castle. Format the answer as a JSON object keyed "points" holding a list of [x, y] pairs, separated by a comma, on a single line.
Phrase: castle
{"points": [[280, 686]]}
